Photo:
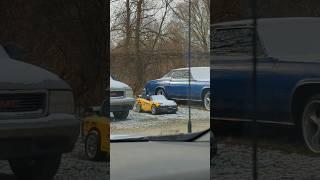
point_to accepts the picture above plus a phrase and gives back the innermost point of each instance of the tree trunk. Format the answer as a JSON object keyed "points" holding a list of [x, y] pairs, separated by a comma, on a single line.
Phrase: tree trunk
{"points": [[139, 61]]}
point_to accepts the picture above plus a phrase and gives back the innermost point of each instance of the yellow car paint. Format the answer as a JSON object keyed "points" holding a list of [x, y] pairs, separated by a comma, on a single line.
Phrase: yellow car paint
{"points": [[100, 124], [145, 104]]}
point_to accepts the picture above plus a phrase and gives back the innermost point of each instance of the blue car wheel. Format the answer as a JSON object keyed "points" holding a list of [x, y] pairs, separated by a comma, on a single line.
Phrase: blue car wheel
{"points": [[161, 91]]}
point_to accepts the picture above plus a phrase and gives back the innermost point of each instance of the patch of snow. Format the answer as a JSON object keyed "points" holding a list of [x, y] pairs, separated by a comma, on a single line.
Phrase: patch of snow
{"points": [[16, 74], [162, 100]]}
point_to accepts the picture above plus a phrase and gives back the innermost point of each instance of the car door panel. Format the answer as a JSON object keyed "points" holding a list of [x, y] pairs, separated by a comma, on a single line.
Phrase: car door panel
{"points": [[232, 88], [179, 88]]}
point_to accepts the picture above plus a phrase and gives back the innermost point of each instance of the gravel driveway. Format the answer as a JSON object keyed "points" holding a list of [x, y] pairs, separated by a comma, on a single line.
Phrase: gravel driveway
{"points": [[74, 166], [281, 155], [162, 124]]}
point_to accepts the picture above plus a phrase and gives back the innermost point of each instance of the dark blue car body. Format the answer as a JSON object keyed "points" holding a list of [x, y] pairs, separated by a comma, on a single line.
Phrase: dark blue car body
{"points": [[177, 88], [288, 69]]}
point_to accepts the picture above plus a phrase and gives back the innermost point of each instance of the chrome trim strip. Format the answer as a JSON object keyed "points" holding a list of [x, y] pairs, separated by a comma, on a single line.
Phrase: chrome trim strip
{"points": [[249, 120]]}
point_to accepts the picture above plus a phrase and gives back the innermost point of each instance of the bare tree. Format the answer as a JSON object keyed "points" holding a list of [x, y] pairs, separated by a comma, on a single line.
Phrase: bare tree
{"points": [[200, 21]]}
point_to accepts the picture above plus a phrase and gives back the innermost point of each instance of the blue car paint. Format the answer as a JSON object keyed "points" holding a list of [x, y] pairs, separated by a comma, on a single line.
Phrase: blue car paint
{"points": [[277, 81], [178, 89]]}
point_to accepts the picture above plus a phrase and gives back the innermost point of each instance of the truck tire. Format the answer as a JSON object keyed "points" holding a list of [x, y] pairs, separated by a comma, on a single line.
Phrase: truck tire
{"points": [[122, 115], [38, 168], [93, 147], [311, 124]]}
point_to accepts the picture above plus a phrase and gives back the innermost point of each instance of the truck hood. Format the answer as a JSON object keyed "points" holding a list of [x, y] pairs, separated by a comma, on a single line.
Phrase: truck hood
{"points": [[19, 75], [117, 84]]}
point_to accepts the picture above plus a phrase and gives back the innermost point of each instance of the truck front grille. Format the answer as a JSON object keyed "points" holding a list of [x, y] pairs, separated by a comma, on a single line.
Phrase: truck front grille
{"points": [[117, 94], [14, 105]]}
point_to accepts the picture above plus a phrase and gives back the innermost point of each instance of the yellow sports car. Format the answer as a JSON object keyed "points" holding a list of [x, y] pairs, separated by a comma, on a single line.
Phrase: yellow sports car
{"points": [[96, 132], [155, 104]]}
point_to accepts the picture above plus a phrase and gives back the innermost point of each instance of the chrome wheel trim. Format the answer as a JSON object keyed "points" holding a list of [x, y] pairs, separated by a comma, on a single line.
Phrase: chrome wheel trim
{"points": [[153, 110], [311, 126], [206, 101]]}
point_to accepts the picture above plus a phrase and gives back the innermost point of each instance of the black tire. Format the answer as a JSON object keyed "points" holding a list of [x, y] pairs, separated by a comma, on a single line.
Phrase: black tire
{"points": [[310, 124], [154, 110], [93, 147], [122, 115], [38, 168], [161, 91], [206, 100]]}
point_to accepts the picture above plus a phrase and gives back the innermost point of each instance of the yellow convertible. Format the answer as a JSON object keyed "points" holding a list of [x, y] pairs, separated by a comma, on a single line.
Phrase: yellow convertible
{"points": [[155, 104], [96, 132]]}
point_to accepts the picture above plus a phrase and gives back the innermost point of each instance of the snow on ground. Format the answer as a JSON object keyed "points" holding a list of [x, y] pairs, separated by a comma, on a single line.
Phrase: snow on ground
{"points": [[145, 120]]}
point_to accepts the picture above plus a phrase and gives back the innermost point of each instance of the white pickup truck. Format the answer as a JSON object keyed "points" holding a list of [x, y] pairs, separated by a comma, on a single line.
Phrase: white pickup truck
{"points": [[121, 99], [37, 120]]}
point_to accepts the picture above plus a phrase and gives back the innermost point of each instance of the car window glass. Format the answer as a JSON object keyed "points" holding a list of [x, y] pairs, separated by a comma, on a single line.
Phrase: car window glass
{"points": [[168, 75], [179, 74], [234, 42]]}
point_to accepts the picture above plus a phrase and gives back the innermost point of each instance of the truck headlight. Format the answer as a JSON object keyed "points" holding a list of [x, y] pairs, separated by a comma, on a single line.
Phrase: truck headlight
{"points": [[129, 93], [61, 102]]}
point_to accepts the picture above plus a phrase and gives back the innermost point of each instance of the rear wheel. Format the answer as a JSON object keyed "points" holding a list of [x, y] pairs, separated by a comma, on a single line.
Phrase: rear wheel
{"points": [[122, 115], [206, 100], [38, 168], [311, 124]]}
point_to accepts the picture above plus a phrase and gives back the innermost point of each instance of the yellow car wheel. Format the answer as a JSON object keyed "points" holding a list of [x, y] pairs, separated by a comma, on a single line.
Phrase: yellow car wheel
{"points": [[137, 107], [93, 147], [154, 110]]}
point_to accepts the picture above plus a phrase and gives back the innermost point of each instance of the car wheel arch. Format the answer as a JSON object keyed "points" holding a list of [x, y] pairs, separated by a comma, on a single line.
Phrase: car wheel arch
{"points": [[302, 92], [94, 129], [204, 91], [158, 88]]}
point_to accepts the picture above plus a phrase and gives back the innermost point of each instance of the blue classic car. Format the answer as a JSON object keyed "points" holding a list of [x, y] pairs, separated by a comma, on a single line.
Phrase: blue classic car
{"points": [[288, 73], [175, 85]]}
